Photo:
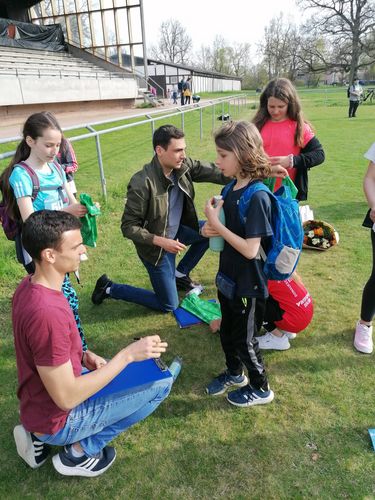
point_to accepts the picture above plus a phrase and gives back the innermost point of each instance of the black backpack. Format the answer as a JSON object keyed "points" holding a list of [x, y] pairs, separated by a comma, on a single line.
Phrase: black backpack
{"points": [[348, 92]]}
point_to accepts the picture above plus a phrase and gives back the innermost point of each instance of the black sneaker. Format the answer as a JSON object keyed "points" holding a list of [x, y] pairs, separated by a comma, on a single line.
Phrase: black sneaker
{"points": [[185, 283], [85, 466], [99, 293], [29, 448]]}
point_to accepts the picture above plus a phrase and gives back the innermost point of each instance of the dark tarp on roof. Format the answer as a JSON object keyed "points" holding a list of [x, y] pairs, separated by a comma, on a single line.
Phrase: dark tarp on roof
{"points": [[29, 36]]}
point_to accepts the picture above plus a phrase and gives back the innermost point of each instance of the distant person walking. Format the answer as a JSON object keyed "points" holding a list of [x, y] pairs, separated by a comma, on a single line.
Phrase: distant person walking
{"points": [[175, 94], [181, 88], [355, 93], [187, 91]]}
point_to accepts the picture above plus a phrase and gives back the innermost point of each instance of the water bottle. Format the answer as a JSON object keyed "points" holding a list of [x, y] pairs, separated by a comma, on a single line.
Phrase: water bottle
{"points": [[175, 367], [217, 242]]}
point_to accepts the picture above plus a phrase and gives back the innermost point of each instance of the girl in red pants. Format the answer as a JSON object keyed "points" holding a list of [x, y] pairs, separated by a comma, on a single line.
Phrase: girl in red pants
{"points": [[289, 310]]}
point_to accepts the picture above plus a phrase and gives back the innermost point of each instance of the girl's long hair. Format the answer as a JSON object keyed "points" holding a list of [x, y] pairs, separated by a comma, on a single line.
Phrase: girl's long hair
{"points": [[244, 140], [283, 89], [34, 127]]}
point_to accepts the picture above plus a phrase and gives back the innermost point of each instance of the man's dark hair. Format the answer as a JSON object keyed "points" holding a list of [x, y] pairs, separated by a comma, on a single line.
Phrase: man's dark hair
{"points": [[163, 135], [44, 229]]}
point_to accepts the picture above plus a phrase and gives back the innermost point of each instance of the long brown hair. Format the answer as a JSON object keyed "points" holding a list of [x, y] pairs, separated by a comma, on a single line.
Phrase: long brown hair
{"points": [[243, 139], [283, 89], [34, 127]]}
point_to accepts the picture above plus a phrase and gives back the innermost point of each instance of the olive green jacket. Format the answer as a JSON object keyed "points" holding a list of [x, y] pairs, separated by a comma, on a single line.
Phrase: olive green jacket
{"points": [[146, 206]]}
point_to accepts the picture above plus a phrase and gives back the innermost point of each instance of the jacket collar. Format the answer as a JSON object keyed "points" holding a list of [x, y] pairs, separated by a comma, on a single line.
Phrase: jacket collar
{"points": [[155, 163]]}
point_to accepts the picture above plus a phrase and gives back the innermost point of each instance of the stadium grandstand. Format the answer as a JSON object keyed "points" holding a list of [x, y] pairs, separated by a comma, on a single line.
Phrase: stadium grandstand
{"points": [[63, 53]]}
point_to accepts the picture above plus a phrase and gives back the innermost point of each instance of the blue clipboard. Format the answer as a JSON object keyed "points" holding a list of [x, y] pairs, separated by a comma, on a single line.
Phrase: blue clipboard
{"points": [[185, 319], [135, 374]]}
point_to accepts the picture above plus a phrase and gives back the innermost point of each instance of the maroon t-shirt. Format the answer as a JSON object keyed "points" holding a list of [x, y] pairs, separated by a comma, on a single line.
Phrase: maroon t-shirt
{"points": [[45, 334]]}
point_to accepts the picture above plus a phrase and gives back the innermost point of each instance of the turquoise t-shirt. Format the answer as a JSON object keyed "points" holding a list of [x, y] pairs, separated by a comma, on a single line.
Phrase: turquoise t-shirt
{"points": [[47, 197]]}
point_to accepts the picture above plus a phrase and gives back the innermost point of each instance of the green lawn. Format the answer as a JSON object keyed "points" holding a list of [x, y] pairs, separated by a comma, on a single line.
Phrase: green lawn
{"points": [[312, 441]]}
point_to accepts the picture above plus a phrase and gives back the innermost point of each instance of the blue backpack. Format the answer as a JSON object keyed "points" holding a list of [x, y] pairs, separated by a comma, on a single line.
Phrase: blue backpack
{"points": [[286, 242]]}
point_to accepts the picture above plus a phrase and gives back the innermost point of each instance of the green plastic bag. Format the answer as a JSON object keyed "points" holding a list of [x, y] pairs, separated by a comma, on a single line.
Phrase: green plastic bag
{"points": [[204, 310], [287, 181], [88, 230]]}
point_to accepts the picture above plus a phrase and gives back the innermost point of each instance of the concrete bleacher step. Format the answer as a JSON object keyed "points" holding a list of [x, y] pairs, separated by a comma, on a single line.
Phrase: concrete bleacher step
{"points": [[23, 62], [33, 77]]}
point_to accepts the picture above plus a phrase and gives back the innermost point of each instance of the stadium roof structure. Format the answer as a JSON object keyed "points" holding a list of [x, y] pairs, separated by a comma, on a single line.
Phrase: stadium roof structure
{"points": [[192, 69], [19, 3]]}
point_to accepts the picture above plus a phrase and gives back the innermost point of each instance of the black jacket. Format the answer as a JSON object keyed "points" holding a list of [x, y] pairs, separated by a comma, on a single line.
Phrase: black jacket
{"points": [[310, 156]]}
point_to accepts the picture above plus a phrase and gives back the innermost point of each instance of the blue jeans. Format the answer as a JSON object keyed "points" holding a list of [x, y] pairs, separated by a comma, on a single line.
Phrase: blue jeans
{"points": [[94, 423], [164, 297]]}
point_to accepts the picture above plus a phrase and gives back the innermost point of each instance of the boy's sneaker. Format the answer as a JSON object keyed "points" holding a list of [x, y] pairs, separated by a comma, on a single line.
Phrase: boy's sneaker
{"points": [[99, 293], [68, 465], [185, 284], [270, 341], [247, 396], [29, 448], [363, 338], [224, 381]]}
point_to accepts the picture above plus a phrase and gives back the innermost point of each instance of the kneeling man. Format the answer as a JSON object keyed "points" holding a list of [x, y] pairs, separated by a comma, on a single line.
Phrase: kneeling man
{"points": [[53, 391]]}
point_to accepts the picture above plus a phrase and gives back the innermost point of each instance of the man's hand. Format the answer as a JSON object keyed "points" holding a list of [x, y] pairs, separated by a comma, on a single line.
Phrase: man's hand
{"points": [[372, 214], [92, 361], [169, 245], [215, 325], [208, 231], [146, 348]]}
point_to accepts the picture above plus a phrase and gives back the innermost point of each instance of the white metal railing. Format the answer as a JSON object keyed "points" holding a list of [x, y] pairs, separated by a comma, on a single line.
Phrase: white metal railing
{"points": [[232, 103]]}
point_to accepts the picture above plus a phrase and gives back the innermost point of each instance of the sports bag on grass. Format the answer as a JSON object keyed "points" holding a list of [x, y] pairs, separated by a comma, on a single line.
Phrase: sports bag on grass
{"points": [[286, 241]]}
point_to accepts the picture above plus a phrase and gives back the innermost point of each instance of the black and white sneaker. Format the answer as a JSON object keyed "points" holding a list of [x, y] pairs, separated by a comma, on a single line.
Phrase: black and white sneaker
{"points": [[29, 448], [68, 465], [186, 284], [99, 293]]}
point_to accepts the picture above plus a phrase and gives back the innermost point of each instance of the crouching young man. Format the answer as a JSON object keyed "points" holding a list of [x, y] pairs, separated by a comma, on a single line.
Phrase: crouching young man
{"points": [[53, 393]]}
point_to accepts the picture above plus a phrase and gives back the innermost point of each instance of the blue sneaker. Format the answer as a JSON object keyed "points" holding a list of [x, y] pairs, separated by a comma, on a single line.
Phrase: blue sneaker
{"points": [[223, 381], [247, 396], [68, 465], [29, 448]]}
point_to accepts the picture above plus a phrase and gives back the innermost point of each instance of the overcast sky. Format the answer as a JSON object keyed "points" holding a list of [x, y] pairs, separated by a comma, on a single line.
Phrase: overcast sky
{"points": [[236, 20]]}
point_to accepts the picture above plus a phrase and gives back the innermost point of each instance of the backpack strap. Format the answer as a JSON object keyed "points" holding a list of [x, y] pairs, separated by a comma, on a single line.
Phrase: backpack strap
{"points": [[244, 203], [34, 179], [245, 199], [59, 170], [227, 188]]}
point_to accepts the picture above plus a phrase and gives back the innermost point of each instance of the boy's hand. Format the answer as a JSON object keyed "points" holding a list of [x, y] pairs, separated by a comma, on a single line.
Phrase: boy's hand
{"points": [[146, 348], [212, 212], [92, 361]]}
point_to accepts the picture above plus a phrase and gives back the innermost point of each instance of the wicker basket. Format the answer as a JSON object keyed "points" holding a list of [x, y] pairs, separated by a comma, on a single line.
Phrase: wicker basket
{"points": [[329, 233]]}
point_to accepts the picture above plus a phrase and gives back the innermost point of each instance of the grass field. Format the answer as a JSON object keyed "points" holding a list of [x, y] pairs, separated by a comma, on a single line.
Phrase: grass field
{"points": [[312, 441]]}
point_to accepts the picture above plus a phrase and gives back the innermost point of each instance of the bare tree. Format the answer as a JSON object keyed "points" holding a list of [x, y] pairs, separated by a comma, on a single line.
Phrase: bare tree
{"points": [[221, 56], [174, 43], [240, 58], [347, 27], [280, 48], [203, 58]]}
